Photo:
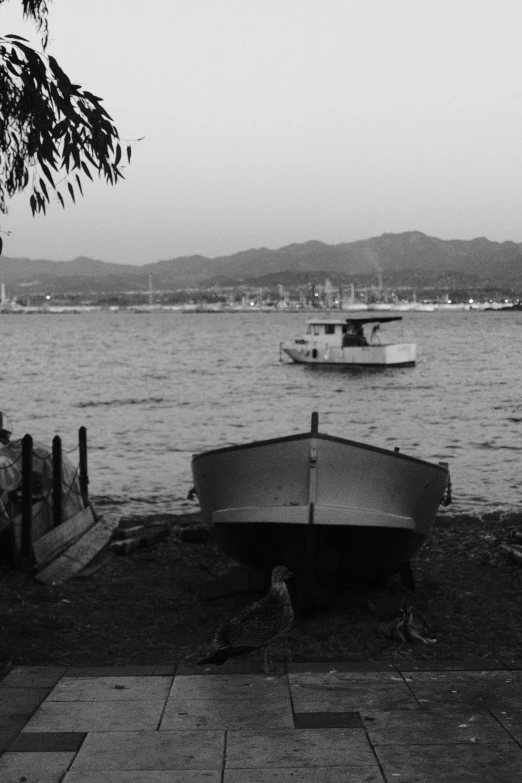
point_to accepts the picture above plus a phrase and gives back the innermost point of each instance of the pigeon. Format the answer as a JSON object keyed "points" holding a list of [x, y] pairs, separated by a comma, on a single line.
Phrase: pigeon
{"points": [[256, 626]]}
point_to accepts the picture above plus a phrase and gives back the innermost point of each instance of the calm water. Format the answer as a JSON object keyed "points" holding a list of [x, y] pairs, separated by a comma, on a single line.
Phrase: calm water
{"points": [[152, 389]]}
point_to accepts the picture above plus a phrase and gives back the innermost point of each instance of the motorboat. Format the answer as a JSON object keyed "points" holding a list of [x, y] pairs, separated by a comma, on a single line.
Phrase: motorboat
{"points": [[318, 502], [346, 342]]}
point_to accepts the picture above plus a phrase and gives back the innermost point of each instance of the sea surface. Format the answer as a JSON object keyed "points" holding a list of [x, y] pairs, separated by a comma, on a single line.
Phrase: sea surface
{"points": [[154, 388]]}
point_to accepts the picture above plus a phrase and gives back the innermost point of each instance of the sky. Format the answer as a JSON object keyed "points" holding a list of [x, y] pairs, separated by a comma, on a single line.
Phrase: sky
{"points": [[269, 122]]}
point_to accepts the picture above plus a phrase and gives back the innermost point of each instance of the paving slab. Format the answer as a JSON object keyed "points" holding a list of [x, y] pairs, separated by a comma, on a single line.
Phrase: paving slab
{"points": [[34, 676], [348, 691], [466, 690], [338, 677], [464, 763], [327, 720], [299, 748], [513, 663], [96, 716], [151, 750], [440, 665], [272, 713], [304, 775], [20, 701], [145, 776], [111, 689], [34, 767], [131, 670], [511, 720], [13, 722], [229, 686], [48, 741], [342, 666], [405, 728], [232, 666], [10, 726]]}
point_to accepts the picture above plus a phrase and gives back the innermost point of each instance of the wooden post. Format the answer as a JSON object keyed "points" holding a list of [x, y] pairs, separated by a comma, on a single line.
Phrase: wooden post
{"points": [[57, 481], [315, 423], [84, 477], [26, 547]]}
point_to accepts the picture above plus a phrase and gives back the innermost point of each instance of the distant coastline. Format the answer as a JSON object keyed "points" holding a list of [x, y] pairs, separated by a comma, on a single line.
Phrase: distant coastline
{"points": [[15, 309]]}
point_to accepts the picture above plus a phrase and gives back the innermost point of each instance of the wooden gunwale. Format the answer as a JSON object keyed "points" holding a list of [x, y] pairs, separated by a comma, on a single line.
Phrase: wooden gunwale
{"points": [[318, 436]]}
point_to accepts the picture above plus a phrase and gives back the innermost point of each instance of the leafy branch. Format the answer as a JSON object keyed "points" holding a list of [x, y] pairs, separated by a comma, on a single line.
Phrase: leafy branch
{"points": [[38, 11], [50, 125]]}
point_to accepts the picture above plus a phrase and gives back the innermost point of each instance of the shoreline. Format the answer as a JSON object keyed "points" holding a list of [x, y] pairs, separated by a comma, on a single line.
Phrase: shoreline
{"points": [[511, 515]]}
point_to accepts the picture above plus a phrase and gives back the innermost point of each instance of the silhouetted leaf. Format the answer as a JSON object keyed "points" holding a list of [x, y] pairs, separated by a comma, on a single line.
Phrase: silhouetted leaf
{"points": [[90, 159], [29, 53], [60, 129], [12, 68], [91, 97], [46, 171], [71, 191], [44, 189], [60, 198], [39, 202], [86, 170]]}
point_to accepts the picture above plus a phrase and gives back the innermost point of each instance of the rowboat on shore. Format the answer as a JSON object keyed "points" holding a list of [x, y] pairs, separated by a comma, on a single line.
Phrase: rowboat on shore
{"points": [[345, 343], [318, 502]]}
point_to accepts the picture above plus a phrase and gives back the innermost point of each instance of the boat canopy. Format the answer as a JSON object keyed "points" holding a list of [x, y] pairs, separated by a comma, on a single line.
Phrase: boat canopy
{"points": [[356, 318]]}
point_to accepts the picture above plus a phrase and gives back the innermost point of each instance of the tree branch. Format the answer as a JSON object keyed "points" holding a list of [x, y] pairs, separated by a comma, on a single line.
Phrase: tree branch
{"points": [[48, 124]]}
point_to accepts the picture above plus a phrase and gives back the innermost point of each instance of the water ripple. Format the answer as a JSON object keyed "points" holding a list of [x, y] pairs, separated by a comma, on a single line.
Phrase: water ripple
{"points": [[129, 401]]}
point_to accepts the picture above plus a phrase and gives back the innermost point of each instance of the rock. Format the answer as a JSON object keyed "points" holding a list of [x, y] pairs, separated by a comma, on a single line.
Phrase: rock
{"points": [[194, 533]]}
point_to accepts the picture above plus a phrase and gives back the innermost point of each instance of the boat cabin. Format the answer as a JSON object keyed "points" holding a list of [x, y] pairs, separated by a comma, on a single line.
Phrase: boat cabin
{"points": [[347, 332]]}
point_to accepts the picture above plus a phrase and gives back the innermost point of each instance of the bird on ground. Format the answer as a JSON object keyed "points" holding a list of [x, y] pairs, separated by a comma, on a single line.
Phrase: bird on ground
{"points": [[256, 626], [407, 627]]}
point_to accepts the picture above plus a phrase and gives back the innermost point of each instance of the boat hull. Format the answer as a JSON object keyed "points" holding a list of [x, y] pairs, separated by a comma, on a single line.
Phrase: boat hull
{"points": [[314, 500], [393, 355], [344, 555]]}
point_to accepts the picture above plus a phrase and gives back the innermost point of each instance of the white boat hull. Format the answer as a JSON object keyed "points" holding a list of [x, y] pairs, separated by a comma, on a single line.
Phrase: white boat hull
{"points": [[366, 510], [396, 355]]}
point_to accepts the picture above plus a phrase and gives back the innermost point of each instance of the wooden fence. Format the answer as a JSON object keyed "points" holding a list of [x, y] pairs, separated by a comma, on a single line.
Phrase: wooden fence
{"points": [[27, 494]]}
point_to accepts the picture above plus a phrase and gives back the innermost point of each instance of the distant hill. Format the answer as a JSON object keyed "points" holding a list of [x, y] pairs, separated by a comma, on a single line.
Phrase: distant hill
{"points": [[410, 258]]}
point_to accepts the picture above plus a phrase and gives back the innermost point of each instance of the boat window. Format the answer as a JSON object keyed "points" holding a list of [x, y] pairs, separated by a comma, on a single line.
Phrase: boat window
{"points": [[329, 329], [309, 329], [316, 329]]}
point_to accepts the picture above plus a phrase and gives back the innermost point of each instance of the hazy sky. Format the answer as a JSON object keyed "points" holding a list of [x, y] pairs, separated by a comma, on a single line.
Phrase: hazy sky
{"points": [[268, 122]]}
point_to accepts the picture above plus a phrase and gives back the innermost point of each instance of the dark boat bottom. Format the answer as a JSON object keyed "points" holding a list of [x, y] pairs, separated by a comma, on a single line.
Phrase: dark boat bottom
{"points": [[343, 555], [351, 365]]}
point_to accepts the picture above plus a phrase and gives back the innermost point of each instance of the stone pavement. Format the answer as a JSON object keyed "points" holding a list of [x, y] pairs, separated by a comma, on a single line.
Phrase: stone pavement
{"points": [[332, 723]]}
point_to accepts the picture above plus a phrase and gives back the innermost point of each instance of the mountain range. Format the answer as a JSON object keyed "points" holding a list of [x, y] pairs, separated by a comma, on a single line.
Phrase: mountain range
{"points": [[407, 259]]}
